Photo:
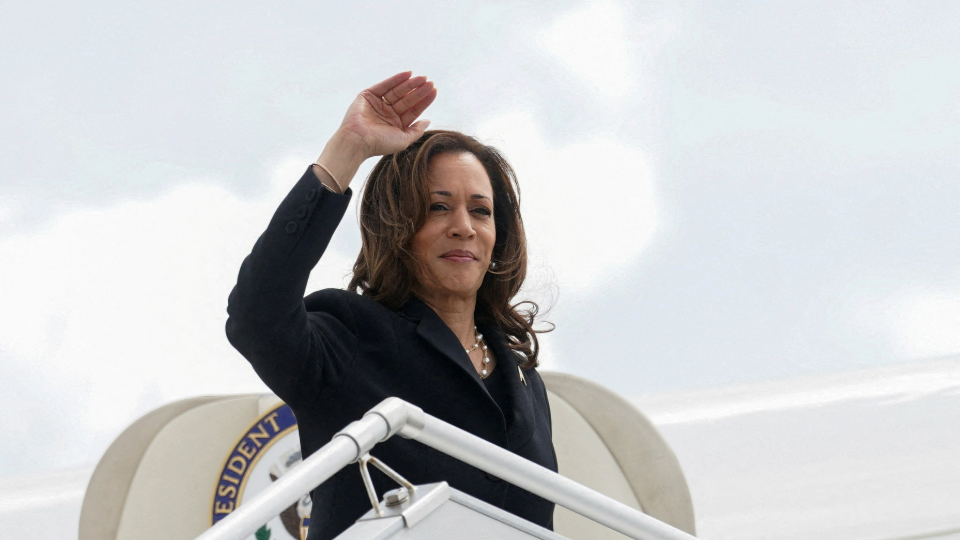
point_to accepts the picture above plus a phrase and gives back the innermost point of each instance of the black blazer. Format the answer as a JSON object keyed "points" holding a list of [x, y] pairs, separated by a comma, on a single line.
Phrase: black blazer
{"points": [[335, 354]]}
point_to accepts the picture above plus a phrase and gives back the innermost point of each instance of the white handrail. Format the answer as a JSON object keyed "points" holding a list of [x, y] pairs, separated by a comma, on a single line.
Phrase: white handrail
{"points": [[395, 416]]}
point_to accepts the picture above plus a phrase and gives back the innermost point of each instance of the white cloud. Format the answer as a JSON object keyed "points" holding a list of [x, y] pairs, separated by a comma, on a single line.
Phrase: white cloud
{"points": [[6, 214], [927, 324], [916, 323], [592, 43], [127, 304], [589, 207]]}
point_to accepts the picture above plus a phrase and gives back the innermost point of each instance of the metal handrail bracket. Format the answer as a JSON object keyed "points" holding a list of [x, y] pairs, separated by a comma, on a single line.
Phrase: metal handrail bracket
{"points": [[421, 503]]}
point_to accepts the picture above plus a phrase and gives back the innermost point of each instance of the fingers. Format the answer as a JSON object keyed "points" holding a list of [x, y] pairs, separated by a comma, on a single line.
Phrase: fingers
{"points": [[416, 129], [417, 108], [402, 95], [394, 94], [381, 88], [405, 107], [411, 98]]}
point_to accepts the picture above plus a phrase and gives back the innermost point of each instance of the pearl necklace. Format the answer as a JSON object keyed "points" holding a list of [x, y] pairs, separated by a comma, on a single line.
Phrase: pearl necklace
{"points": [[484, 373], [477, 342]]}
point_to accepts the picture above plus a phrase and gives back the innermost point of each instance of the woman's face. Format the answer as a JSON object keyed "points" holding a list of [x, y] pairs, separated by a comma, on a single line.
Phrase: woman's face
{"points": [[455, 244]]}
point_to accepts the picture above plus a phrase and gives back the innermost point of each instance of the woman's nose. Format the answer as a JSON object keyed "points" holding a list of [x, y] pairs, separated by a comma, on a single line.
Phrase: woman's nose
{"points": [[460, 225]]}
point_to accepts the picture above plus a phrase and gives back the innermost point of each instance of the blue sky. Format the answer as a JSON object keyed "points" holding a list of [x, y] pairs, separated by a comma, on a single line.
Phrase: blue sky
{"points": [[716, 193]]}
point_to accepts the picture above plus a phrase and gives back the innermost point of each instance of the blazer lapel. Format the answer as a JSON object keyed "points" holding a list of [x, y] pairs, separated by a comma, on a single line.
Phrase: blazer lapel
{"points": [[521, 420], [436, 332]]}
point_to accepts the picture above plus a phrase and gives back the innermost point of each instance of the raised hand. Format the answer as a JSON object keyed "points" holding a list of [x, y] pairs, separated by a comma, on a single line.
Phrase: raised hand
{"points": [[382, 116], [379, 122]]}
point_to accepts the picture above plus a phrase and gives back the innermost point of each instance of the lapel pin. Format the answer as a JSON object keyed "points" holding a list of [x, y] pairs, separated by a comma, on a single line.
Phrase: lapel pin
{"points": [[522, 379]]}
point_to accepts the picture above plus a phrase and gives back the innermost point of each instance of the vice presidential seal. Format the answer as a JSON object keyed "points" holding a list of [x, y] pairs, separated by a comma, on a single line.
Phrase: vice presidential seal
{"points": [[268, 449]]}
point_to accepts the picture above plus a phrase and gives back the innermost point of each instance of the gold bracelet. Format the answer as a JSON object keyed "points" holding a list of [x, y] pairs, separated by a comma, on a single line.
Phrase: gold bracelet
{"points": [[332, 177], [330, 189]]}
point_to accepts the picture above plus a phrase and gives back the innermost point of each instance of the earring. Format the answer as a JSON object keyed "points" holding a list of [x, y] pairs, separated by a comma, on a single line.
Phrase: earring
{"points": [[493, 265]]}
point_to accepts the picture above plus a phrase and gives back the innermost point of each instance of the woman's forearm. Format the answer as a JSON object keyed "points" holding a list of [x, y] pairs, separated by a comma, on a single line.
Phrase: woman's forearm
{"points": [[341, 157]]}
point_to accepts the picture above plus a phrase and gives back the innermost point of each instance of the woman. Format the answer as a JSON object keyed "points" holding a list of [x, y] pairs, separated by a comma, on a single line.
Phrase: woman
{"points": [[443, 254]]}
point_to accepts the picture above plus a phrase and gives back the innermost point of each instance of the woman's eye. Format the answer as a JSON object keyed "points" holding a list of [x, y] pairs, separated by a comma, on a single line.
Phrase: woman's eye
{"points": [[482, 210], [438, 207]]}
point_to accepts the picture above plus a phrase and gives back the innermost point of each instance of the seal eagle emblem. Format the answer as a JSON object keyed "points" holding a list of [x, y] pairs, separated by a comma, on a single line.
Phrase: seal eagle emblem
{"points": [[267, 450]]}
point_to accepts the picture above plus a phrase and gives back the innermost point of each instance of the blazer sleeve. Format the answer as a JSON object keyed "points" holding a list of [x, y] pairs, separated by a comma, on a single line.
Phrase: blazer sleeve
{"points": [[290, 349]]}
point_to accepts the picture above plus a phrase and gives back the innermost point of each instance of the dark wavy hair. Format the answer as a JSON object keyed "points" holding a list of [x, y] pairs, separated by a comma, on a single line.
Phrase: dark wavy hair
{"points": [[394, 207]]}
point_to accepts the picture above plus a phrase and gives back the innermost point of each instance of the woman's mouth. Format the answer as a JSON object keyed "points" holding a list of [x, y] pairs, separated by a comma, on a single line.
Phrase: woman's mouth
{"points": [[459, 256]]}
